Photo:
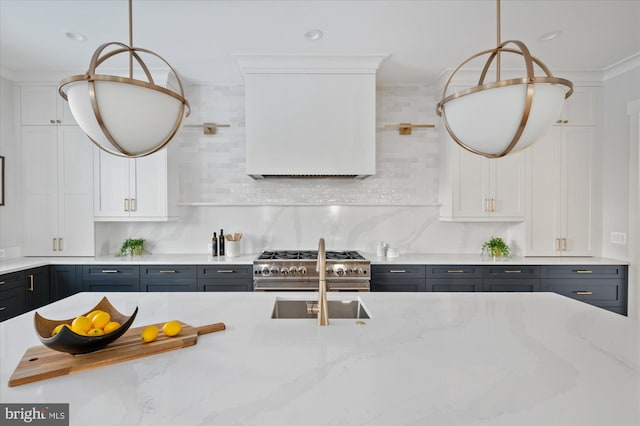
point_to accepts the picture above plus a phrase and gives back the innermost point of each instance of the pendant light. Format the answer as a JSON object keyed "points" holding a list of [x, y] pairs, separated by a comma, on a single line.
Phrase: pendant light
{"points": [[124, 116], [496, 118]]}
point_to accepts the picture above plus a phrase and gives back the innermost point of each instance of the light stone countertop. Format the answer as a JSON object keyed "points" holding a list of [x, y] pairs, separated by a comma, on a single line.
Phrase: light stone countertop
{"points": [[422, 359], [18, 264]]}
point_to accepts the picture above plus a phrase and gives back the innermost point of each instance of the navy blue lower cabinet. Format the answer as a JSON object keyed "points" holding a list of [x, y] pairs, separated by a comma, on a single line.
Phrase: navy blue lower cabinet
{"points": [[225, 278], [12, 295], [454, 278], [397, 277], [64, 281], [168, 278], [37, 287], [604, 286], [512, 278], [106, 278]]}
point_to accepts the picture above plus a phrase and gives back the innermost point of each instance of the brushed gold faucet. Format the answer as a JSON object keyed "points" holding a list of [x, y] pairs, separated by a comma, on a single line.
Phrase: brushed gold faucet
{"points": [[321, 267]]}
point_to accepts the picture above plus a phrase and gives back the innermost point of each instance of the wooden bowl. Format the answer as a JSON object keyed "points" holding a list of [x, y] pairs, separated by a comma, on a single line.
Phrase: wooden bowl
{"points": [[73, 343]]}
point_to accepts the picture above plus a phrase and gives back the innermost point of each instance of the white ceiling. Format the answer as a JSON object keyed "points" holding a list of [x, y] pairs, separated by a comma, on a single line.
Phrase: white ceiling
{"points": [[423, 38]]}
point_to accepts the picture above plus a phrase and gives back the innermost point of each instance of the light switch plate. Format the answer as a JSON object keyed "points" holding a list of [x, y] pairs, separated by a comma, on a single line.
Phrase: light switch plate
{"points": [[618, 238]]}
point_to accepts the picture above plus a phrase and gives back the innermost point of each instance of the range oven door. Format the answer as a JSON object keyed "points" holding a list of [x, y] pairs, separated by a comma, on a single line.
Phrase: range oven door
{"points": [[309, 285]]}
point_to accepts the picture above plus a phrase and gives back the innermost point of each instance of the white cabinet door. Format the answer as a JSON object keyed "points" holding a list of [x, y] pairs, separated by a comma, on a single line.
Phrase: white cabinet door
{"points": [[560, 182], [578, 171], [149, 186], [40, 190], [75, 193], [506, 194], [581, 109], [545, 200], [483, 189], [129, 189], [42, 106], [57, 191], [469, 183], [111, 185]]}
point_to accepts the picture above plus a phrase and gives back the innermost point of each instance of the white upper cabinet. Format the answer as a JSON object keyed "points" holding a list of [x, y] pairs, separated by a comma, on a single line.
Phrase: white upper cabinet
{"points": [[561, 179], [137, 189], [581, 109], [475, 188], [57, 173], [43, 106]]}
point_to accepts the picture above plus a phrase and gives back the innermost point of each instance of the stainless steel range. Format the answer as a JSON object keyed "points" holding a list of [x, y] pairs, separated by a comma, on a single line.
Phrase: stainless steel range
{"points": [[285, 270]]}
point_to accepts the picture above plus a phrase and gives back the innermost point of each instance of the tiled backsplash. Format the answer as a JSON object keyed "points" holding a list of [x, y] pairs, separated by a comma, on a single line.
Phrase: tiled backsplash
{"points": [[399, 205], [212, 168]]}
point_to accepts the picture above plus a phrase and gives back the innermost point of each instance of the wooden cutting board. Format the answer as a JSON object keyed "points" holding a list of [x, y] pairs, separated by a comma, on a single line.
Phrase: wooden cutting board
{"points": [[40, 362]]}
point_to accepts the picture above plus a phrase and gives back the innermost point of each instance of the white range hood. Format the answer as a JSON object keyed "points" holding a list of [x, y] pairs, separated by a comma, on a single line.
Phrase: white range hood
{"points": [[310, 116]]}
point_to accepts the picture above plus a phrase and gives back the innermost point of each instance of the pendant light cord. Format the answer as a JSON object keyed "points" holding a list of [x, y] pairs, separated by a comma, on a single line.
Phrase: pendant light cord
{"points": [[131, 39], [498, 44]]}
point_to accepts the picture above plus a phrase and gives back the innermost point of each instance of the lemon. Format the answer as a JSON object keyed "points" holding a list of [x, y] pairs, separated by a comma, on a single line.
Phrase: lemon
{"points": [[172, 328], [149, 333], [81, 324], [95, 332], [111, 326], [58, 328], [92, 314], [100, 320]]}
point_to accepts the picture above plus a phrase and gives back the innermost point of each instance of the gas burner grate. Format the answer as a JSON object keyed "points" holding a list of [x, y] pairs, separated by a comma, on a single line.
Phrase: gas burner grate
{"points": [[308, 255]]}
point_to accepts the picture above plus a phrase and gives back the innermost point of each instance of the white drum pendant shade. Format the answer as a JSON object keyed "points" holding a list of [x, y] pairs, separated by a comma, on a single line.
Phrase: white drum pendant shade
{"points": [[138, 118], [486, 121]]}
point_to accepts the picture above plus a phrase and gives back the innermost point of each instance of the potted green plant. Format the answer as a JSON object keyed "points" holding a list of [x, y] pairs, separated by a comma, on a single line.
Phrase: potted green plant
{"points": [[496, 247], [132, 247]]}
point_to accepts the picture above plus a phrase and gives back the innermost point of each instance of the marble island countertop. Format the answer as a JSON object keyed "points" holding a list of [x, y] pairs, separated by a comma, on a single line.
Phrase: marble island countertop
{"points": [[421, 359], [17, 264]]}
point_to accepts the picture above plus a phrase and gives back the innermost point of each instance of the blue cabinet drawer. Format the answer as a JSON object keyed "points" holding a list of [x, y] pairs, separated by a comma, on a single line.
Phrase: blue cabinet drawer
{"points": [[168, 272], [599, 292], [511, 272], [453, 271], [225, 271], [397, 271], [585, 271], [110, 272]]}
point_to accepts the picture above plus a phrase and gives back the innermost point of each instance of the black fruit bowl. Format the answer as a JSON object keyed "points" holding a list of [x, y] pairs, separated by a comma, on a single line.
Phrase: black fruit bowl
{"points": [[73, 343]]}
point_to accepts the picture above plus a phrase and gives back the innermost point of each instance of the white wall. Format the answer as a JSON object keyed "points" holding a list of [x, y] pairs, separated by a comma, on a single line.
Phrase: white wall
{"points": [[399, 205], [619, 170], [10, 217]]}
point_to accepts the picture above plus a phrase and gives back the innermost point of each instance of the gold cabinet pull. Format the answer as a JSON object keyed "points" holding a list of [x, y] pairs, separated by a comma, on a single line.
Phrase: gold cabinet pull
{"points": [[60, 244], [557, 244], [2, 308], [397, 271], [54, 244], [486, 205], [584, 293], [30, 288], [126, 204], [564, 241], [513, 271], [167, 272], [110, 271], [493, 204], [225, 271], [455, 271], [2, 282], [52, 121], [133, 204], [584, 271]]}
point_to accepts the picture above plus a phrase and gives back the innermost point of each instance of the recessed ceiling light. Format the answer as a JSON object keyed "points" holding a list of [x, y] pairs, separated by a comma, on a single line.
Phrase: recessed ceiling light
{"points": [[550, 35], [76, 36], [313, 35]]}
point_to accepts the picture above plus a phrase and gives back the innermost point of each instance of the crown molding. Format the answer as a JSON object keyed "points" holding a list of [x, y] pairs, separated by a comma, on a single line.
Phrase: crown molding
{"points": [[622, 66]]}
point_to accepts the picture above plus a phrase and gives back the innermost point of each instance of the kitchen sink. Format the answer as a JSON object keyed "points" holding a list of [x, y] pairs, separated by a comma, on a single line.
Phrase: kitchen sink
{"points": [[338, 309]]}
